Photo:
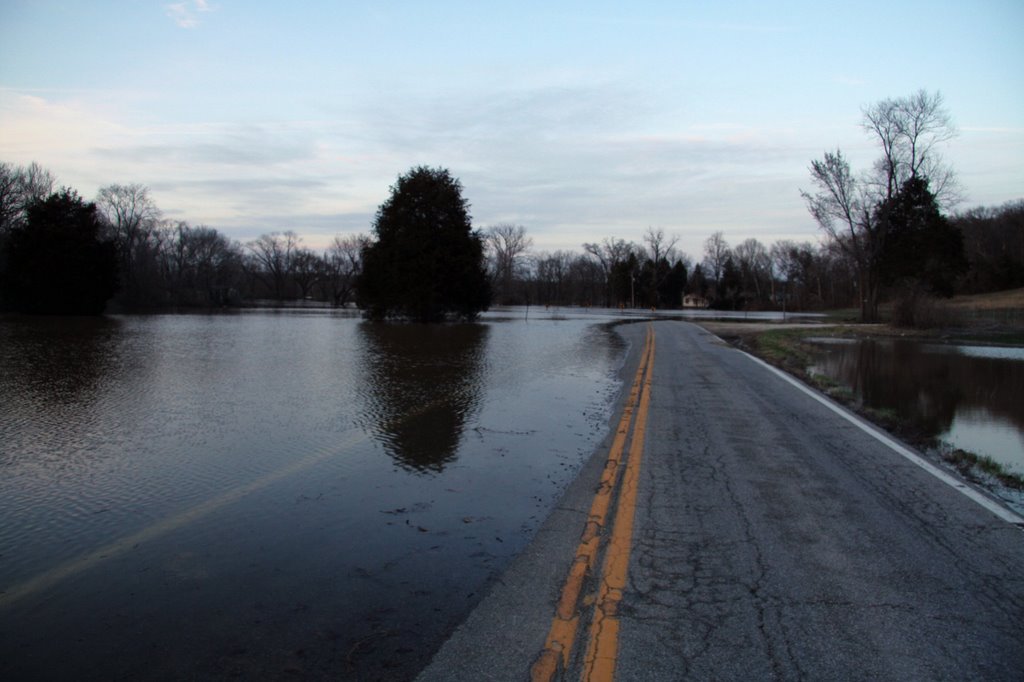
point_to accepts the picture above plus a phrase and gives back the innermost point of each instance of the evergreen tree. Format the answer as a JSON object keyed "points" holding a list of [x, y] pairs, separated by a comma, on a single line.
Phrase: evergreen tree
{"points": [[728, 294], [920, 243], [698, 283], [670, 291], [55, 262], [426, 263]]}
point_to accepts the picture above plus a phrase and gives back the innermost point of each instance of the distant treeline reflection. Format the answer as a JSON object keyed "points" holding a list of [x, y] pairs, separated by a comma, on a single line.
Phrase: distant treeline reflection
{"points": [[56, 361]]}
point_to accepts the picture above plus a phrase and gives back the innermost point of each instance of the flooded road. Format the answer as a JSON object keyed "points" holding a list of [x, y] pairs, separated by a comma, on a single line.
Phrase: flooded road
{"points": [[971, 397], [773, 537], [274, 494]]}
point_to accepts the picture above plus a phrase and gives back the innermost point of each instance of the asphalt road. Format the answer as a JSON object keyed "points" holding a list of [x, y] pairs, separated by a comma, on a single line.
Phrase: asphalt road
{"points": [[772, 539]]}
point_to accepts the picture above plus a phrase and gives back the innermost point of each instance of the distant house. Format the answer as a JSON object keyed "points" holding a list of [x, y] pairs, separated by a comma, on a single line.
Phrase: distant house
{"points": [[694, 301]]}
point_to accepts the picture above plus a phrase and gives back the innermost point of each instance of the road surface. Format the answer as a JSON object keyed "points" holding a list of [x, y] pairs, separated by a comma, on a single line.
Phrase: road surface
{"points": [[769, 537]]}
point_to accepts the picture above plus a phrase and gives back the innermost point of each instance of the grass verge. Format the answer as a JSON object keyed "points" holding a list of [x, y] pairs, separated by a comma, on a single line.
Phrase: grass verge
{"points": [[974, 466]]}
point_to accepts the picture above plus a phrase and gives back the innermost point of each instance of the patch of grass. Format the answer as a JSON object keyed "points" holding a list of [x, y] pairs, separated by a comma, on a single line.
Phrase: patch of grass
{"points": [[1012, 299], [842, 394], [842, 315], [832, 388], [885, 414], [824, 382], [783, 347], [969, 463]]}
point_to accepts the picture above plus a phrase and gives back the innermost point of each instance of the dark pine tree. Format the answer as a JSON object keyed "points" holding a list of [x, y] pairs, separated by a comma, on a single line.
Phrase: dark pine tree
{"points": [[56, 262], [728, 294], [426, 263], [697, 284], [920, 244], [670, 290]]}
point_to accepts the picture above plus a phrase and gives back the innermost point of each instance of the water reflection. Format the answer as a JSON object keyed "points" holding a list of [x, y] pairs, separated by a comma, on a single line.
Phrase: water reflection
{"points": [[53, 372], [944, 391], [55, 360], [244, 450], [420, 384]]}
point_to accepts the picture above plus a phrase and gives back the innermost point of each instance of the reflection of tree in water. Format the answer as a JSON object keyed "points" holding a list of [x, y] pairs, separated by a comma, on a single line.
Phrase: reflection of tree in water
{"points": [[421, 384], [55, 360], [928, 387], [54, 372]]}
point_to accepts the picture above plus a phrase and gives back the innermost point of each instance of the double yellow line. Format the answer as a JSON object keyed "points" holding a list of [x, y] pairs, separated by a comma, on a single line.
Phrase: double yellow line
{"points": [[602, 643]]}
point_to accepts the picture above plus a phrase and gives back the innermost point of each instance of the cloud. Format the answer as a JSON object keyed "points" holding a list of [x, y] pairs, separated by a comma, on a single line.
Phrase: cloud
{"points": [[185, 14], [596, 159], [54, 133], [572, 164], [228, 147], [219, 174]]}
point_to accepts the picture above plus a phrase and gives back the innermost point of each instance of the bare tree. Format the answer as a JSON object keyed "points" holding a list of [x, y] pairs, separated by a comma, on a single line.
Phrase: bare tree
{"points": [[307, 268], [19, 187], [660, 247], [660, 251], [342, 265], [755, 268], [506, 243], [610, 254], [552, 276], [716, 253], [176, 254], [37, 182], [842, 208], [908, 130], [782, 265], [10, 197], [273, 255], [131, 217], [841, 275], [589, 281], [201, 264], [994, 243]]}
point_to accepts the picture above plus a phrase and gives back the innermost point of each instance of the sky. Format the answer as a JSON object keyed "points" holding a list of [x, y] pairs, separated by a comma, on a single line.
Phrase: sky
{"points": [[577, 120]]}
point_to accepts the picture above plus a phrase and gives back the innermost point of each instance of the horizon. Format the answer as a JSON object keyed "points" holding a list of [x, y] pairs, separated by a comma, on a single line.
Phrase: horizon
{"points": [[578, 123]]}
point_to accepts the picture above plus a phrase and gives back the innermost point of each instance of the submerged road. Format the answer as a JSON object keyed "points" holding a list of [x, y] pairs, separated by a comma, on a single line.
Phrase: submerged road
{"points": [[750, 531]]}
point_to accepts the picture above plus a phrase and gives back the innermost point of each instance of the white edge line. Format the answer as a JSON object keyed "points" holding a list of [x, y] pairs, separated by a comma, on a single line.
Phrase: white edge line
{"points": [[988, 503]]}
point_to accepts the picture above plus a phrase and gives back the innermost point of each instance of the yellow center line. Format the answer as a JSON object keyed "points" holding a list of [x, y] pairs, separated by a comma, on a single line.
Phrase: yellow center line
{"points": [[602, 650], [562, 634]]}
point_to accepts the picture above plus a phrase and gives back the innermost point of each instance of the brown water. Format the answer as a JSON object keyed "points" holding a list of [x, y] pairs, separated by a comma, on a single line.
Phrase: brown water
{"points": [[971, 397], [267, 494]]}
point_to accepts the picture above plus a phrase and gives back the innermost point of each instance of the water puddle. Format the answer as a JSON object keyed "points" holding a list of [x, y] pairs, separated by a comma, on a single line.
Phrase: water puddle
{"points": [[971, 397]]}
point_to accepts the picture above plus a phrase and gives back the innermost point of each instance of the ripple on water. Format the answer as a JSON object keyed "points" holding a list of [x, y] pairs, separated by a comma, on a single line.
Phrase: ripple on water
{"points": [[375, 474]]}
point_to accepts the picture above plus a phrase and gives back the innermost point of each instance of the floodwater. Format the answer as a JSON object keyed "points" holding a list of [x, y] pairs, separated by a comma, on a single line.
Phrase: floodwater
{"points": [[971, 397], [276, 494]]}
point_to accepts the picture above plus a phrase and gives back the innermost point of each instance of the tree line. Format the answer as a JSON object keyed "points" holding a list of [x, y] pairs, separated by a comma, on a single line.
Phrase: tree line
{"points": [[152, 262], [884, 236], [751, 275]]}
